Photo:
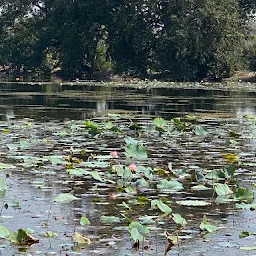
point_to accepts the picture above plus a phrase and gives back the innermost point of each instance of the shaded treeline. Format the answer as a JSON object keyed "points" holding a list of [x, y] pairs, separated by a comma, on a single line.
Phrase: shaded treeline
{"points": [[181, 39]]}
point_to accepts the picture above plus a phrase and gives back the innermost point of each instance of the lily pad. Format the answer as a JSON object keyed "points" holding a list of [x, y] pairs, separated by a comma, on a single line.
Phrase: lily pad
{"points": [[172, 185], [110, 219], [84, 221], [206, 226], [65, 198], [6, 166], [22, 237], [4, 232], [80, 239], [193, 203]]}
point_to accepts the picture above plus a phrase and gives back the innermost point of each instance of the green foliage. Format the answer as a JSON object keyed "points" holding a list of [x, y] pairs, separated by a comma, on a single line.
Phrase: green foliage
{"points": [[179, 38], [206, 226], [137, 231], [161, 206], [65, 198]]}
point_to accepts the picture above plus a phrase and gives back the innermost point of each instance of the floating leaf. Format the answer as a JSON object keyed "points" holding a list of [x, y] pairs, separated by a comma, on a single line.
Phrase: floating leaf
{"points": [[6, 166], [193, 203], [160, 124], [131, 141], [246, 206], [4, 232], [244, 234], [90, 124], [80, 239], [110, 219], [205, 225], [200, 131], [129, 189], [137, 231], [147, 219], [222, 189], [199, 187], [172, 185], [84, 221], [50, 234], [96, 175], [136, 236], [136, 151], [245, 195], [142, 183], [231, 158], [126, 205], [247, 248], [77, 172], [142, 199], [2, 184], [65, 198], [178, 219], [22, 237], [161, 206], [95, 164]]}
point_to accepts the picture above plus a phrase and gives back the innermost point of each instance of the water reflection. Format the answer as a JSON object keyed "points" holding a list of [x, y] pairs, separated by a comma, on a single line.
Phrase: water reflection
{"points": [[76, 101]]}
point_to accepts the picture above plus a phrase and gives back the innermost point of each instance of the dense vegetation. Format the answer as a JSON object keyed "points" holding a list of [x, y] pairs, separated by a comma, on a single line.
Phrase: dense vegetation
{"points": [[184, 40]]}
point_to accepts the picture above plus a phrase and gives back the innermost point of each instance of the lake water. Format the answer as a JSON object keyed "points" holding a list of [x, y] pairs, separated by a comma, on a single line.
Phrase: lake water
{"points": [[35, 122], [80, 101]]}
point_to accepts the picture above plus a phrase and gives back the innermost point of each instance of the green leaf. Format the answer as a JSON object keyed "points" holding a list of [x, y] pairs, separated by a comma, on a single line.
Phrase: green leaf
{"points": [[110, 219], [22, 237], [136, 236], [246, 206], [65, 198], [178, 219], [161, 206], [90, 124], [142, 183], [244, 234], [77, 172], [247, 248], [50, 234], [142, 199], [193, 203], [6, 166], [96, 175], [245, 195], [136, 151], [140, 228], [131, 141], [147, 219], [222, 189], [4, 232], [95, 164], [160, 124], [200, 131], [126, 205], [80, 239], [172, 185], [84, 221], [129, 189], [206, 226], [2, 184], [199, 187]]}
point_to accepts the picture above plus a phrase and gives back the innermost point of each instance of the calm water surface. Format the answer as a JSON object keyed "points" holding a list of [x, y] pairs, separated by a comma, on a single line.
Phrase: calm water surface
{"points": [[77, 101]]}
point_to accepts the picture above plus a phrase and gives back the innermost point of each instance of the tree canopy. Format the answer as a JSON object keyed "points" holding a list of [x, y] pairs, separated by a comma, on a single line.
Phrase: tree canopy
{"points": [[185, 39]]}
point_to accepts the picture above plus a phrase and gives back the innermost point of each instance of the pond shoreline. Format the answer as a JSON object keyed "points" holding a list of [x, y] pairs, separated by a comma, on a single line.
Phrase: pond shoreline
{"points": [[225, 85]]}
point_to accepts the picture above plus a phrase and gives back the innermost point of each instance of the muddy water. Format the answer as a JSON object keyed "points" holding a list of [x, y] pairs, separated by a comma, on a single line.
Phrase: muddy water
{"points": [[49, 105]]}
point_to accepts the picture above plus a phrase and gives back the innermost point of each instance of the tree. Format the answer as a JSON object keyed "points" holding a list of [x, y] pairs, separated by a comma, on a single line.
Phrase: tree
{"points": [[199, 39]]}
